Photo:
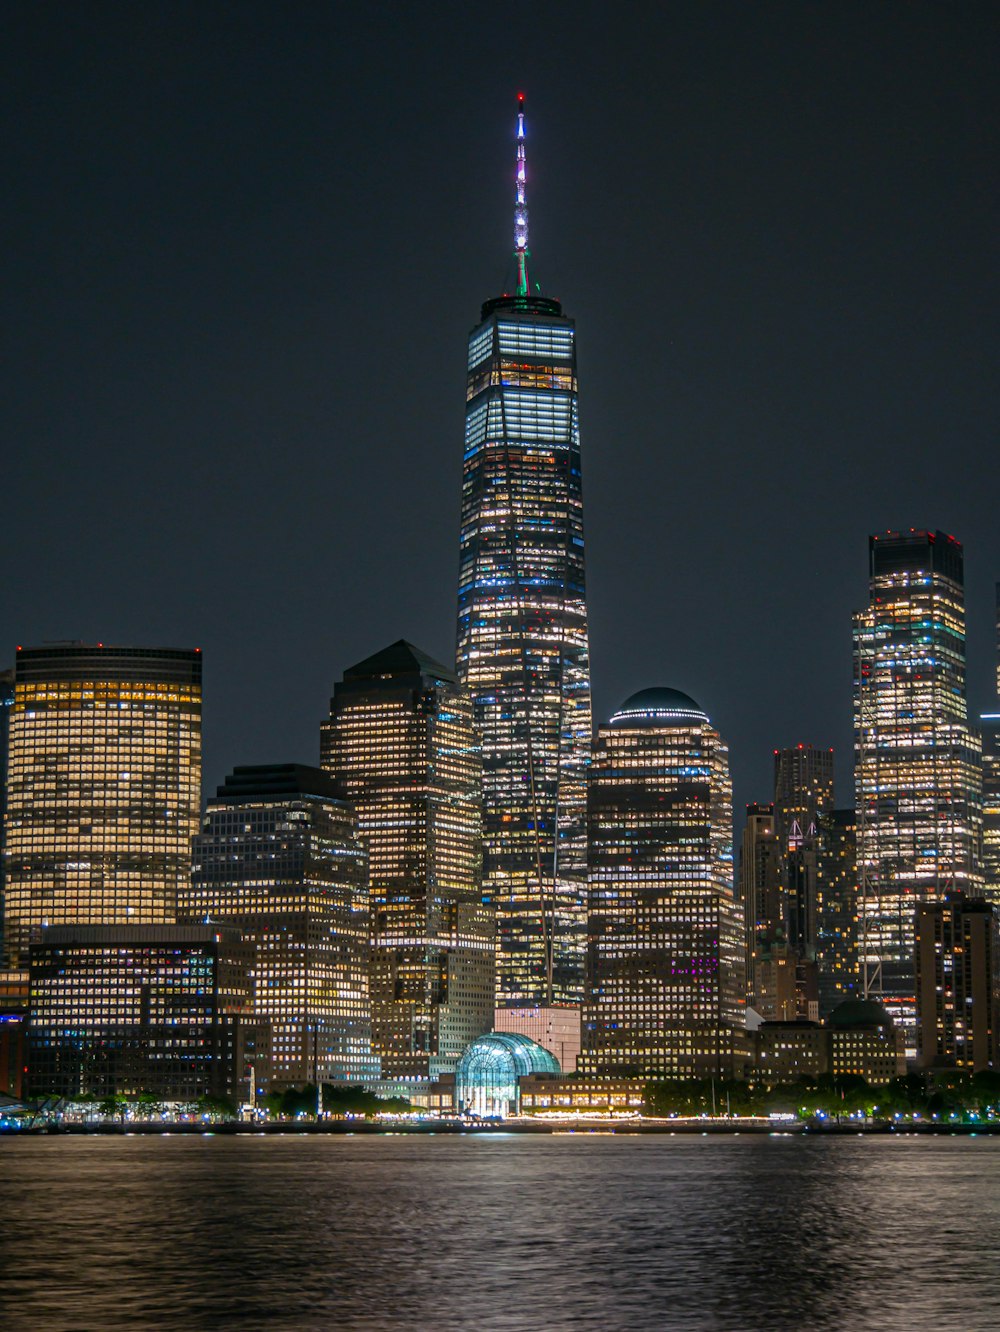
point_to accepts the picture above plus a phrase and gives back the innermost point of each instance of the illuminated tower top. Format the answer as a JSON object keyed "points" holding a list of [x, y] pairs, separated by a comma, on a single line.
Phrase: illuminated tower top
{"points": [[521, 206], [522, 298]]}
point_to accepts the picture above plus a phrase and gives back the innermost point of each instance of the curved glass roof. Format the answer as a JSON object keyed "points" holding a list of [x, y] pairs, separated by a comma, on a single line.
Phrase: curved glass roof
{"points": [[510, 1048], [659, 707]]}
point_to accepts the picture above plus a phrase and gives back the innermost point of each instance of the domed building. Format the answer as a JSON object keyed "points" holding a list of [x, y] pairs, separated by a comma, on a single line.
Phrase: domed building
{"points": [[487, 1081], [665, 968]]}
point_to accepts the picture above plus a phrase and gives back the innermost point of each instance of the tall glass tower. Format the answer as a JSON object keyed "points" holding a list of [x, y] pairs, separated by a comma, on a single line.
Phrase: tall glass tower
{"points": [[522, 628], [918, 775]]}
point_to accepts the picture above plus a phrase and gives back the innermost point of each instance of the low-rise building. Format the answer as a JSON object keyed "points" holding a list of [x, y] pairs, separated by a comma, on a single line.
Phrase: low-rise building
{"points": [[787, 1051], [161, 1009], [865, 1041], [582, 1096]]}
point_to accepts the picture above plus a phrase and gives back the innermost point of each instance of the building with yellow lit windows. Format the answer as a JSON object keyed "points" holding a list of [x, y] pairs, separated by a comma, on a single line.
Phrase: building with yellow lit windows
{"points": [[401, 747], [665, 969], [103, 789], [918, 776], [280, 858]]}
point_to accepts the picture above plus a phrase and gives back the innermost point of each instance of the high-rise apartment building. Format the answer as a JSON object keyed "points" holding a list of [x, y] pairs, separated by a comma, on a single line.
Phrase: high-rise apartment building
{"points": [[280, 858], [522, 629], [918, 762], [958, 984], [104, 787], [778, 882], [665, 950], [401, 747]]}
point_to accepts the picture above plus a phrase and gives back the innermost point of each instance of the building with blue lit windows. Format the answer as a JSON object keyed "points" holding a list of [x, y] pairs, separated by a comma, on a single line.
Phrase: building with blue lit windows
{"points": [[161, 1009], [665, 961], [522, 629]]}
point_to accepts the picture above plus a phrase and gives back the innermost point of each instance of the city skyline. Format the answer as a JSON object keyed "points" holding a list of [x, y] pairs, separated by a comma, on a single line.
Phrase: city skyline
{"points": [[692, 386]]}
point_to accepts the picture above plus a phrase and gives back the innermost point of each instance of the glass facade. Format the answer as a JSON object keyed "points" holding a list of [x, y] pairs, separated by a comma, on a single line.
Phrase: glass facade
{"points": [[665, 974], [989, 724], [522, 640], [6, 707], [487, 1080], [918, 763], [161, 1009], [523, 651], [279, 858], [104, 787], [401, 747]]}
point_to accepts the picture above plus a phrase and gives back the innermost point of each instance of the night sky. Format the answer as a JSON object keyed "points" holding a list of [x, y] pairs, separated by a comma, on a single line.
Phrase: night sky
{"points": [[243, 245]]}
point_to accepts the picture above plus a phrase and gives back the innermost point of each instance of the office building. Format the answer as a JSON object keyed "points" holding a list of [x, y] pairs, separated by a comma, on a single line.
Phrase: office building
{"points": [[401, 747], [865, 1042], [665, 943], [918, 762], [279, 858], [6, 707], [161, 1009], [837, 908], [858, 1039], [989, 725], [759, 887], [803, 792], [522, 629], [958, 984], [104, 787]]}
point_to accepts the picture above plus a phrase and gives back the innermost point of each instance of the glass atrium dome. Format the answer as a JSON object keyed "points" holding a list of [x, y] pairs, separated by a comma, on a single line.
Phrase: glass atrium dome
{"points": [[486, 1081]]}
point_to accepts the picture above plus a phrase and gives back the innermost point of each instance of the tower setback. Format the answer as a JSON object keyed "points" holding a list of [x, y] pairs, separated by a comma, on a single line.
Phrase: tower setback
{"points": [[523, 650]]}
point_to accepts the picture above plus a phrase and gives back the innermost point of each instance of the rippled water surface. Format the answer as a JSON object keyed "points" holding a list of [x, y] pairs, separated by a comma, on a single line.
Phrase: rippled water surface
{"points": [[500, 1232]]}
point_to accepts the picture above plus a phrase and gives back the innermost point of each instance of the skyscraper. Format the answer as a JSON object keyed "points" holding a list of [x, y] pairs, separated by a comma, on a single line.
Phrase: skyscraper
{"points": [[400, 745], [989, 724], [104, 787], [837, 908], [522, 628], [918, 762], [280, 858], [958, 984], [6, 707], [760, 888], [665, 965]]}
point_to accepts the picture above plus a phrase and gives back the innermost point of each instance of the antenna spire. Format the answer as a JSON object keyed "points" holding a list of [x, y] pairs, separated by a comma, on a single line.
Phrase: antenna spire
{"points": [[521, 207]]}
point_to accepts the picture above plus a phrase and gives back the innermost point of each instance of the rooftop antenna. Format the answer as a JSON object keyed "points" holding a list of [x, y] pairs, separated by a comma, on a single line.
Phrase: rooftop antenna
{"points": [[521, 206]]}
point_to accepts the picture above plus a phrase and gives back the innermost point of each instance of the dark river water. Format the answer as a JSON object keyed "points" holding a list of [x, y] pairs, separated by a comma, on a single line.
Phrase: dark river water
{"points": [[500, 1232]]}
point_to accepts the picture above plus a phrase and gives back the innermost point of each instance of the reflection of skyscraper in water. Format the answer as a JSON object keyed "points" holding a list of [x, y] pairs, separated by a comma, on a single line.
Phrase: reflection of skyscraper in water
{"points": [[522, 628]]}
